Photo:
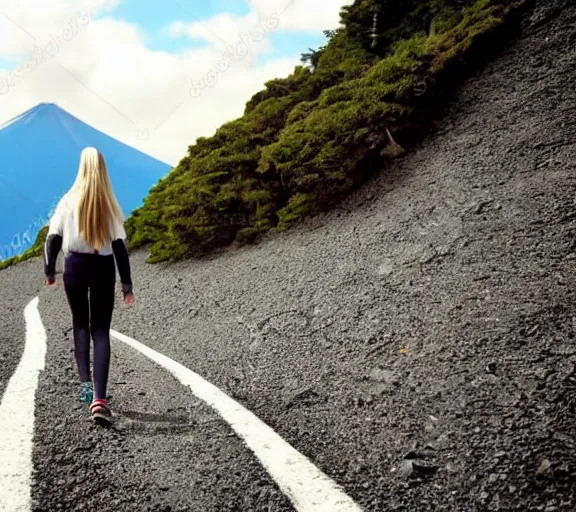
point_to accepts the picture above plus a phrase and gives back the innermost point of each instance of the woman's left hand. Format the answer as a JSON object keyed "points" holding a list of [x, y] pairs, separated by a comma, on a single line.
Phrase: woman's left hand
{"points": [[50, 284]]}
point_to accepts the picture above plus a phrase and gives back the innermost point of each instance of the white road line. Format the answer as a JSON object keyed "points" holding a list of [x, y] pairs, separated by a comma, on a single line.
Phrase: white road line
{"points": [[304, 484], [17, 417]]}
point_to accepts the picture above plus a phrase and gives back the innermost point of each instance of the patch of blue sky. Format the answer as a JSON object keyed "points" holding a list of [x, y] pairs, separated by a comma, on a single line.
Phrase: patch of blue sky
{"points": [[153, 17], [9, 62]]}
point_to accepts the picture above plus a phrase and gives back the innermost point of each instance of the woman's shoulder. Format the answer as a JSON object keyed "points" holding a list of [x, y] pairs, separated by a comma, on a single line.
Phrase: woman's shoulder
{"points": [[117, 228], [67, 201], [63, 200], [64, 207]]}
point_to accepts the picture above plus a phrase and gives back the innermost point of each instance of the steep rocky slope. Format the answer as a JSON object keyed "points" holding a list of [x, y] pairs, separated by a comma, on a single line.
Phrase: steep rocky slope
{"points": [[418, 342]]}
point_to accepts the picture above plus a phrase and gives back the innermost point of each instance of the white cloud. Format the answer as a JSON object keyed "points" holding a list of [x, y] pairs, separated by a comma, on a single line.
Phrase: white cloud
{"points": [[25, 24], [107, 76], [295, 15], [301, 14], [222, 29]]}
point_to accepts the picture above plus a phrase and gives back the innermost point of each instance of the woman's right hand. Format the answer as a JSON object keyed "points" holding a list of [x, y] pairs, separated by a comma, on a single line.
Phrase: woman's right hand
{"points": [[129, 299]]}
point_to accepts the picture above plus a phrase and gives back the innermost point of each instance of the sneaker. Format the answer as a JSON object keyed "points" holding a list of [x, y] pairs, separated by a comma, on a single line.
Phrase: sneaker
{"points": [[87, 395], [101, 412]]}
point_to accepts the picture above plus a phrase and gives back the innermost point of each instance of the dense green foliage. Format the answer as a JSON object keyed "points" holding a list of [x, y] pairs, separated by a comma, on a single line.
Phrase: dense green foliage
{"points": [[36, 250], [307, 140]]}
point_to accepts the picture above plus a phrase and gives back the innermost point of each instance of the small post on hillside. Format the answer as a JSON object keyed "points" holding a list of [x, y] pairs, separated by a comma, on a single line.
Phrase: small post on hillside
{"points": [[374, 35]]}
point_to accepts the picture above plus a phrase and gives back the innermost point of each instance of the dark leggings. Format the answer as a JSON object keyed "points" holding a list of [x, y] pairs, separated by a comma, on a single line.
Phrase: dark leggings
{"points": [[89, 281]]}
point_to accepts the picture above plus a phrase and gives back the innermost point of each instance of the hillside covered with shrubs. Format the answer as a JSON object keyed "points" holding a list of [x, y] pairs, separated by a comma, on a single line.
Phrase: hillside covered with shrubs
{"points": [[35, 251], [307, 140]]}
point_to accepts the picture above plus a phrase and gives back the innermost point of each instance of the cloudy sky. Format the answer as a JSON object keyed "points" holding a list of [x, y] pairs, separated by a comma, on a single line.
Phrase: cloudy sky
{"points": [[155, 75]]}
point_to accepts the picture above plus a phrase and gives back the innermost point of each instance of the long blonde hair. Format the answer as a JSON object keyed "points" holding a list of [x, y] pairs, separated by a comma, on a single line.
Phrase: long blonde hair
{"points": [[98, 207]]}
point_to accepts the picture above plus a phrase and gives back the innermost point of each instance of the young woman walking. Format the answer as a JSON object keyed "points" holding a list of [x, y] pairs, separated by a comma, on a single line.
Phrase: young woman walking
{"points": [[88, 227]]}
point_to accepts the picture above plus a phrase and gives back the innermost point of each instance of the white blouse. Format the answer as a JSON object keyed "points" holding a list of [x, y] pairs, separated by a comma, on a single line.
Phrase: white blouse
{"points": [[64, 222]]}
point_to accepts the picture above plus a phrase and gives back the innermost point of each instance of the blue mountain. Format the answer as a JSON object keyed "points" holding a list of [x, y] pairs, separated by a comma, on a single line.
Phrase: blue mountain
{"points": [[39, 155]]}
